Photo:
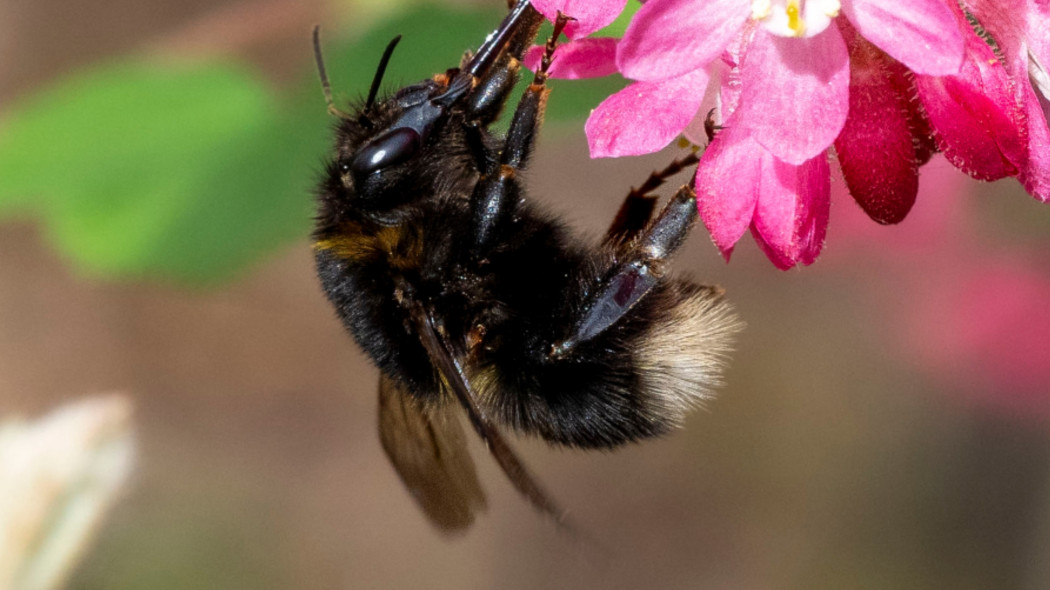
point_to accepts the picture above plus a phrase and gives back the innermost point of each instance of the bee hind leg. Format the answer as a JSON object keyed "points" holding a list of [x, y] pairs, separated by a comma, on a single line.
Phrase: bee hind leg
{"points": [[638, 208], [636, 271]]}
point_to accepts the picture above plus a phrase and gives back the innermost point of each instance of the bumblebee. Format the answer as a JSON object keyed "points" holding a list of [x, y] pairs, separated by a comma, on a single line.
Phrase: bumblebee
{"points": [[466, 294]]}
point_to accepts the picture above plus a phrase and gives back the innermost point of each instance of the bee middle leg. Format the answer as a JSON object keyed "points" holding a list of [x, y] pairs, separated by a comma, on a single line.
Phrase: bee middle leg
{"points": [[496, 193]]}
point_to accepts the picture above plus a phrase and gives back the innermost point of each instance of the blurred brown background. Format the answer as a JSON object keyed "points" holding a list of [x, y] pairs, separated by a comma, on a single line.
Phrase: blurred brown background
{"points": [[829, 461]]}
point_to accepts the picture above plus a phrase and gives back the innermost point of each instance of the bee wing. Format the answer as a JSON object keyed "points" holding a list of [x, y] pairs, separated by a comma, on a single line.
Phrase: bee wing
{"points": [[450, 367], [429, 452]]}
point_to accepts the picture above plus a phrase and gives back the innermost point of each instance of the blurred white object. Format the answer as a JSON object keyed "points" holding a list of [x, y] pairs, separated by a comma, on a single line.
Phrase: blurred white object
{"points": [[58, 477]]}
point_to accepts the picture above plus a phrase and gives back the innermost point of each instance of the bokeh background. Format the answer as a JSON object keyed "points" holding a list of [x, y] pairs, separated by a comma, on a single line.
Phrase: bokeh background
{"points": [[886, 422]]}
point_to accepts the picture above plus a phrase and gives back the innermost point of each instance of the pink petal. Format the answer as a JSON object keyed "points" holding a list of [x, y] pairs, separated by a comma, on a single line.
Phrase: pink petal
{"points": [[714, 103], [668, 38], [1039, 30], [1036, 175], [590, 15], [727, 206], [696, 131], [645, 116], [902, 80], [875, 149], [791, 219], [970, 126], [727, 68], [795, 93], [923, 34], [921, 128], [975, 115], [778, 258], [584, 58], [740, 184], [1005, 21]]}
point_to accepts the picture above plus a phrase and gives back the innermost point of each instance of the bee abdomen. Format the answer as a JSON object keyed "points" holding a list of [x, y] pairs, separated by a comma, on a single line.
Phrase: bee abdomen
{"points": [[636, 381]]}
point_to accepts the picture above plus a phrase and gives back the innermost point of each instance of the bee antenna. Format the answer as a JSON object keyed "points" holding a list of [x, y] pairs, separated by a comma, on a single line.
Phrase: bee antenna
{"points": [[325, 86], [378, 78]]}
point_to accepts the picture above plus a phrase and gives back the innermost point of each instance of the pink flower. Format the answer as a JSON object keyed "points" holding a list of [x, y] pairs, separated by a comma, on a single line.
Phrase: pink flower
{"points": [[584, 58], [781, 72], [991, 119], [791, 79], [1036, 177], [740, 185], [977, 118], [794, 66], [886, 137]]}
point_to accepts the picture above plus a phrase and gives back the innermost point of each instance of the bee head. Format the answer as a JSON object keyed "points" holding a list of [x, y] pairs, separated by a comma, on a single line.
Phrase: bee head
{"points": [[400, 148], [380, 161]]}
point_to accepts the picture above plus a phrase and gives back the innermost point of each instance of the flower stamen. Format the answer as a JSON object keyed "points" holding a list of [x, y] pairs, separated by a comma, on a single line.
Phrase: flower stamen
{"points": [[795, 18], [795, 22]]}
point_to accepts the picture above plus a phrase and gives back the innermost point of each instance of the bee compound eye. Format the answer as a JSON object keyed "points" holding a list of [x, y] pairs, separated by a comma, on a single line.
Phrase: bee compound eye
{"points": [[391, 148]]}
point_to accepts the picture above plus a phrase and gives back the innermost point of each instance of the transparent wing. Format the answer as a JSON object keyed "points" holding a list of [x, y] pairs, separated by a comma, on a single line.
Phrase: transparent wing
{"points": [[429, 452], [450, 368]]}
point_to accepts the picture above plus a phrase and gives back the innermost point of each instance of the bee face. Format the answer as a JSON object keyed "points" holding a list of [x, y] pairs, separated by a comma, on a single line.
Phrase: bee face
{"points": [[389, 156], [465, 293]]}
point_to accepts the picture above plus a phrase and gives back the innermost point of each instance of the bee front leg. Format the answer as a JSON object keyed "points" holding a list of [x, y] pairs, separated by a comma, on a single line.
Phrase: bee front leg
{"points": [[488, 97], [503, 52]]}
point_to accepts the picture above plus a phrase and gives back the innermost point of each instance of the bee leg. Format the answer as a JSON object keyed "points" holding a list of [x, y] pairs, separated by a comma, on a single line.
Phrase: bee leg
{"points": [[488, 97], [486, 102], [638, 207], [636, 271], [634, 214], [521, 137], [497, 194], [711, 128]]}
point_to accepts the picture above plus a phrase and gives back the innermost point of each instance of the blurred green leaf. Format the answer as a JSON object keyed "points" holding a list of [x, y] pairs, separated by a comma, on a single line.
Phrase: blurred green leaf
{"points": [[154, 168], [192, 170]]}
